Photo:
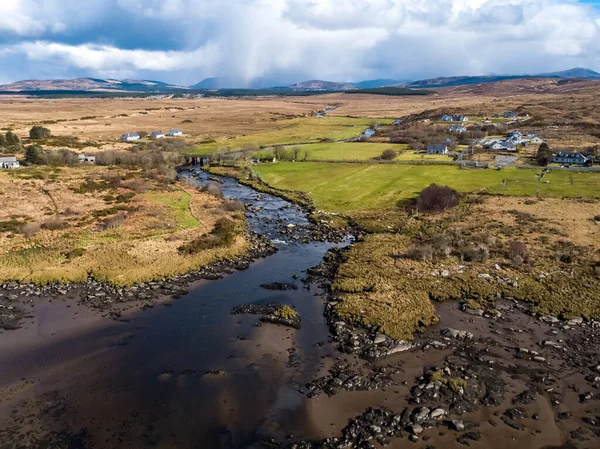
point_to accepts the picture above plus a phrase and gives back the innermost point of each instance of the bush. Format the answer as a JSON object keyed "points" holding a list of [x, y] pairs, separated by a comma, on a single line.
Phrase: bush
{"points": [[544, 155], [234, 206], [75, 253], [223, 234], [420, 251], [54, 225], [213, 189], [517, 253], [113, 222], [30, 229], [39, 132], [436, 199], [389, 155]]}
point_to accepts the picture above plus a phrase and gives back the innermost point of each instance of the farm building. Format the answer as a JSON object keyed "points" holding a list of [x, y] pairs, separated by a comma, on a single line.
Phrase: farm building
{"points": [[510, 114], [86, 159], [9, 162], [536, 139], [157, 135], [571, 157], [454, 118], [129, 137], [437, 148], [457, 129], [175, 133]]}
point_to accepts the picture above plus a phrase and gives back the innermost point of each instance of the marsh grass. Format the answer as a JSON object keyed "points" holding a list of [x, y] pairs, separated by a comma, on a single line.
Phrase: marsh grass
{"points": [[120, 244]]}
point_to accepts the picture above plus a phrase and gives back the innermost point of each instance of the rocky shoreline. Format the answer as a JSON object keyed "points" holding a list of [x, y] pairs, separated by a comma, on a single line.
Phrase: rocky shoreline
{"points": [[103, 296]]}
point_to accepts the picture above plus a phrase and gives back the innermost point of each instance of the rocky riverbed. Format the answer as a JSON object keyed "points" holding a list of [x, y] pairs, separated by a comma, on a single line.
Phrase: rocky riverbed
{"points": [[201, 373]]}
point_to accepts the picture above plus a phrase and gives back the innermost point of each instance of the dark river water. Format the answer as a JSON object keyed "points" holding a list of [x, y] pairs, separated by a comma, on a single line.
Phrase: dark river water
{"points": [[184, 374]]}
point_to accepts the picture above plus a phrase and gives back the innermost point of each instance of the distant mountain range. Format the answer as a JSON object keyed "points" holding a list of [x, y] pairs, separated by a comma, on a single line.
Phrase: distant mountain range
{"points": [[90, 85], [466, 80], [219, 83]]}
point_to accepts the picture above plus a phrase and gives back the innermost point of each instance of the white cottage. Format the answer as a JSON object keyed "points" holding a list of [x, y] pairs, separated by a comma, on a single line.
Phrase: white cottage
{"points": [[9, 162]]}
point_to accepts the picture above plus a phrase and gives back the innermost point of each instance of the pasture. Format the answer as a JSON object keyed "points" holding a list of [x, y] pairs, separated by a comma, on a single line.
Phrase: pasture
{"points": [[348, 188]]}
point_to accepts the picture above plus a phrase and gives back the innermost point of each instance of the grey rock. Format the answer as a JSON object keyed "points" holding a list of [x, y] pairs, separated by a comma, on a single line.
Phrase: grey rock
{"points": [[415, 429], [457, 425], [457, 334], [438, 413]]}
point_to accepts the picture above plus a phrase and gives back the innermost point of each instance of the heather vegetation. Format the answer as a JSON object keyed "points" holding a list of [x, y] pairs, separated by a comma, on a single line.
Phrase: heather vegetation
{"points": [[120, 225]]}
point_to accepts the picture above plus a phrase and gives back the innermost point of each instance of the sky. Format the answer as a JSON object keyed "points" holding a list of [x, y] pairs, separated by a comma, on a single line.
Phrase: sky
{"points": [[258, 43]]}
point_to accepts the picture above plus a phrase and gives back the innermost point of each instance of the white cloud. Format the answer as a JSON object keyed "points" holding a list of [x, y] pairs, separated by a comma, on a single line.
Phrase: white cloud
{"points": [[336, 39]]}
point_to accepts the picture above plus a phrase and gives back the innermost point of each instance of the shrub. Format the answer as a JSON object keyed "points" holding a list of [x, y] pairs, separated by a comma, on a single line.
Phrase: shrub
{"points": [[436, 199], [420, 251], [30, 229], [234, 206], [39, 132], [389, 155], [517, 253], [544, 155], [54, 225], [34, 154], [225, 229], [75, 253], [113, 222], [224, 233], [213, 189]]}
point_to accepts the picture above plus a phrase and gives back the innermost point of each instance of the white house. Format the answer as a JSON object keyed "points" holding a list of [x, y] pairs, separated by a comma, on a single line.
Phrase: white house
{"points": [[175, 133], [437, 148], [130, 137], [9, 162], [457, 129], [157, 135], [86, 159], [454, 118], [536, 139]]}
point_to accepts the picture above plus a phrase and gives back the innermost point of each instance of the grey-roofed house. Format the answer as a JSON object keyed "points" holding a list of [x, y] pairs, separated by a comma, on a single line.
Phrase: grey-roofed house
{"points": [[457, 129], [9, 162], [128, 137], [510, 114], [157, 135], [437, 148], [571, 157], [86, 159], [175, 133]]}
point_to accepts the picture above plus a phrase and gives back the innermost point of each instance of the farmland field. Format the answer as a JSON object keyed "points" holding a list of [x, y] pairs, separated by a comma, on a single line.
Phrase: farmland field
{"points": [[357, 187], [297, 130]]}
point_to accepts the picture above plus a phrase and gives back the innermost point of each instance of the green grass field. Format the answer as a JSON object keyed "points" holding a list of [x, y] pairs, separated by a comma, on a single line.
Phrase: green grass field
{"points": [[359, 187], [298, 130]]}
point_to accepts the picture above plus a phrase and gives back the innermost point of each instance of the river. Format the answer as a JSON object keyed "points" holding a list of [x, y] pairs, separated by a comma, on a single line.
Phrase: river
{"points": [[183, 374]]}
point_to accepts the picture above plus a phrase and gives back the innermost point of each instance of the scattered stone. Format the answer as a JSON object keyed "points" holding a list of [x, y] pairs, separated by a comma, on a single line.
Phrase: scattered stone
{"points": [[457, 425], [457, 334]]}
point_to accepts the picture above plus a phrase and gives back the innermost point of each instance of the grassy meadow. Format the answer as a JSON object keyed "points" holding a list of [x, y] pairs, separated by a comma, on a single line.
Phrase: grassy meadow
{"points": [[347, 188], [294, 131], [116, 225]]}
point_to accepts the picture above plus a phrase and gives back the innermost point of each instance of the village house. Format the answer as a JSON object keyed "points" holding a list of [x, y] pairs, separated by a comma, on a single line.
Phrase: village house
{"points": [[129, 137], [368, 134], [571, 158], [157, 135], [457, 129], [9, 162], [454, 118], [175, 133], [511, 114], [86, 159], [437, 148], [536, 139]]}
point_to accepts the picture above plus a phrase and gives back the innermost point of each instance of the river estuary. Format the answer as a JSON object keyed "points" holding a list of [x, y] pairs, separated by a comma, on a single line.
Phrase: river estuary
{"points": [[183, 374]]}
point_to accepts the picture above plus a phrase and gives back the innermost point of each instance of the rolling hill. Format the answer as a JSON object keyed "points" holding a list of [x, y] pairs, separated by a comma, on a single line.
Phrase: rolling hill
{"points": [[90, 85]]}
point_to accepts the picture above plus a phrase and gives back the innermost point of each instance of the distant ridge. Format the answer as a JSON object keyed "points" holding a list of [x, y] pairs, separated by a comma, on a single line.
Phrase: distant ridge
{"points": [[90, 85], [577, 72]]}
